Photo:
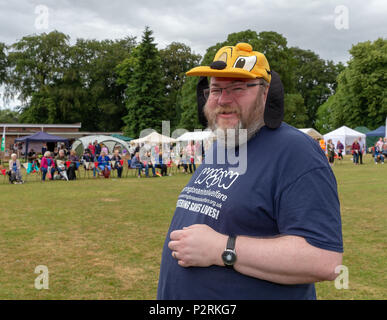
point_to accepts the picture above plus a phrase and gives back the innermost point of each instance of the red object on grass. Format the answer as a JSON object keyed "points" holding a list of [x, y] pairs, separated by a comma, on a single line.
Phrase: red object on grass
{"points": [[3, 172]]}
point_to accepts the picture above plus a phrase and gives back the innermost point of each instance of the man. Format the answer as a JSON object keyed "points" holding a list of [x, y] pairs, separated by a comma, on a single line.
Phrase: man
{"points": [[269, 233]]}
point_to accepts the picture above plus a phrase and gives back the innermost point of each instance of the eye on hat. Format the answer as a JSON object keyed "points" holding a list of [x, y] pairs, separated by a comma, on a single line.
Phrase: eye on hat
{"points": [[236, 62]]}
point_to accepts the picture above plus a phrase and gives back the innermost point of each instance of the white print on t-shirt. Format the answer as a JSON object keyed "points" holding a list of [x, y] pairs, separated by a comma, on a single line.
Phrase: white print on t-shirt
{"points": [[223, 178]]}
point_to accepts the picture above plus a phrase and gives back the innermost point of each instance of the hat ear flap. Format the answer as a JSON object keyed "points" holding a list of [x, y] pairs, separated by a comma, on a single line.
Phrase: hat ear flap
{"points": [[201, 100], [274, 108]]}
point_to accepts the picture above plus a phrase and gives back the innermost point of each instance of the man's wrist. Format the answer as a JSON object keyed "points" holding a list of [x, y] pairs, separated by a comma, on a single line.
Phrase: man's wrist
{"points": [[221, 244]]}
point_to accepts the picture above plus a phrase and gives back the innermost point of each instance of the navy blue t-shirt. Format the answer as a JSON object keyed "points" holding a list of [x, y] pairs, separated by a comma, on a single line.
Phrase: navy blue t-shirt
{"points": [[287, 189]]}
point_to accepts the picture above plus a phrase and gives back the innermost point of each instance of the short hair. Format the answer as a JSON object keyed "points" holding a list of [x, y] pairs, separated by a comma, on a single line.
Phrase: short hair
{"points": [[47, 154], [13, 154]]}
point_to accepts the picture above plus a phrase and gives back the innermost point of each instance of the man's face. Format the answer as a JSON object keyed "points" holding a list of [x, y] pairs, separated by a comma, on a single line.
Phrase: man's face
{"points": [[230, 111]]}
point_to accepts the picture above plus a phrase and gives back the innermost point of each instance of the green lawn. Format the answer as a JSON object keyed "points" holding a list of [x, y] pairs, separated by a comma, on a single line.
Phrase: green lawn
{"points": [[102, 239]]}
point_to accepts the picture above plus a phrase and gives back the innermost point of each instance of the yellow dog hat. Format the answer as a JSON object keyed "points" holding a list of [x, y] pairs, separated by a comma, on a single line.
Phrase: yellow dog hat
{"points": [[236, 62]]}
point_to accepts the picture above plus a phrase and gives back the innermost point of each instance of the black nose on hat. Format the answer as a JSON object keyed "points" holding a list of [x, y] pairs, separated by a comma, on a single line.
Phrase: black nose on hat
{"points": [[219, 65]]}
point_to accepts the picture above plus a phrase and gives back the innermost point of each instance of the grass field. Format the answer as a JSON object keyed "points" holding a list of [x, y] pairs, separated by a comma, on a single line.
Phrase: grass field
{"points": [[102, 239]]}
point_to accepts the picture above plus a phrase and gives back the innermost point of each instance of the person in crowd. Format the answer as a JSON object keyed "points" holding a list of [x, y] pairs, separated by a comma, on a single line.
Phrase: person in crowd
{"points": [[91, 148], [47, 165], [355, 149], [137, 164], [88, 160], [384, 149], [117, 165], [15, 170], [183, 162], [380, 143], [104, 164], [73, 165], [97, 148], [44, 148], [32, 161], [191, 151], [340, 148], [160, 164], [55, 152], [331, 152], [378, 154]]}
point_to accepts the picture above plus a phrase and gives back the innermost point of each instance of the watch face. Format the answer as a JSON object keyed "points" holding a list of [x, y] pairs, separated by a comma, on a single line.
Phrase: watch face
{"points": [[229, 257]]}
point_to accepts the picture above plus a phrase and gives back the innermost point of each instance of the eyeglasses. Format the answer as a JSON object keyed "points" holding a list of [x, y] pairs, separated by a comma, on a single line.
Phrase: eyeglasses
{"points": [[235, 90]]}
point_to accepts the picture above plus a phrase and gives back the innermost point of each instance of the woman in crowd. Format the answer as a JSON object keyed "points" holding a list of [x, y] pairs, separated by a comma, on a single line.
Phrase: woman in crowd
{"points": [[355, 151], [340, 149], [73, 165], [14, 170], [103, 164], [331, 152], [47, 165], [117, 165]]}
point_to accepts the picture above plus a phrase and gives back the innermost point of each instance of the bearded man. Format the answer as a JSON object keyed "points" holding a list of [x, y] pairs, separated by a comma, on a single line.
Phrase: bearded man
{"points": [[269, 232]]}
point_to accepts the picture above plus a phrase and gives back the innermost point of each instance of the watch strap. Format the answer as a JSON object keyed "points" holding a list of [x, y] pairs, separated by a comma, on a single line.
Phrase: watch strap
{"points": [[231, 243]]}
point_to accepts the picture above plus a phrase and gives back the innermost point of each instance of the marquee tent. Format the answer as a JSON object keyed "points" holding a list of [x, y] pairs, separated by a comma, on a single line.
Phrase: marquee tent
{"points": [[346, 136], [40, 136], [154, 138], [110, 142], [312, 133]]}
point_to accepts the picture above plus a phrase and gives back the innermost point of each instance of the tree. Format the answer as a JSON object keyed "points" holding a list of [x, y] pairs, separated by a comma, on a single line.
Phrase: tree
{"points": [[295, 111], [187, 101], [144, 95], [3, 63], [314, 79], [177, 58], [361, 95], [9, 116]]}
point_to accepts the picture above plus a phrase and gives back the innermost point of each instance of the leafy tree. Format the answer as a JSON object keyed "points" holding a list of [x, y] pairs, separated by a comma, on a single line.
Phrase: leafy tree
{"points": [[3, 63], [361, 95], [177, 58], [9, 116], [187, 101], [145, 100], [295, 111], [314, 79]]}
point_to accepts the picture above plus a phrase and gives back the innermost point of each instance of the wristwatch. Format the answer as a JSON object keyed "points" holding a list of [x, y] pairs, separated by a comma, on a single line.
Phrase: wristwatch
{"points": [[229, 256]]}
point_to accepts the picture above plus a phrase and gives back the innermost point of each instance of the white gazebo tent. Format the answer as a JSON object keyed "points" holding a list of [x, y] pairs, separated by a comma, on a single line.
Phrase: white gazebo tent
{"points": [[154, 138], [346, 136], [312, 133], [196, 136]]}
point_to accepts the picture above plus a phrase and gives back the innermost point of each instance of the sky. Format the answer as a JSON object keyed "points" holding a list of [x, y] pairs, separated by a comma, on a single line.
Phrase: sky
{"points": [[327, 27]]}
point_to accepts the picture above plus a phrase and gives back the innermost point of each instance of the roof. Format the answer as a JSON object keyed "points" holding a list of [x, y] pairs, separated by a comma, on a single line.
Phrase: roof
{"points": [[42, 125], [41, 136], [312, 133], [344, 131], [381, 131]]}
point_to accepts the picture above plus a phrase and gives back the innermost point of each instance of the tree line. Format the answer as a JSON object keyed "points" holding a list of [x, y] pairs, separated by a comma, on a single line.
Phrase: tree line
{"points": [[129, 85]]}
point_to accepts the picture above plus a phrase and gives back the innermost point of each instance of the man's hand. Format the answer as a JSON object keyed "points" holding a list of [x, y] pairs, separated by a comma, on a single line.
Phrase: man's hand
{"points": [[197, 246]]}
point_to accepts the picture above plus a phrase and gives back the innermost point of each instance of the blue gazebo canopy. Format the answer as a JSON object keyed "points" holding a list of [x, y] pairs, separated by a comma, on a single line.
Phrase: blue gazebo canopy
{"points": [[379, 132], [40, 136]]}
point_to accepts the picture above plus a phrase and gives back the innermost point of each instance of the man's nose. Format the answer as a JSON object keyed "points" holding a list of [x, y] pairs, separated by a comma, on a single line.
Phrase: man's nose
{"points": [[225, 98]]}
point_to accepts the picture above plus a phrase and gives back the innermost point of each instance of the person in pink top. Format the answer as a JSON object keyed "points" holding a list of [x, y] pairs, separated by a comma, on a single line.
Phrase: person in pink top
{"points": [[47, 165]]}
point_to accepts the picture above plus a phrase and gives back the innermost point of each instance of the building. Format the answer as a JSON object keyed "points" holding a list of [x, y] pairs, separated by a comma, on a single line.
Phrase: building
{"points": [[18, 130]]}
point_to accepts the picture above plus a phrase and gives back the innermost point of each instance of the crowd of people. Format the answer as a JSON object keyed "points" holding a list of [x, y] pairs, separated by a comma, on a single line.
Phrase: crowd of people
{"points": [[357, 150], [62, 164]]}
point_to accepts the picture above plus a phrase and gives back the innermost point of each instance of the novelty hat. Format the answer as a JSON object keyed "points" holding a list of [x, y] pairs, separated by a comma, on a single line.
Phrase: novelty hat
{"points": [[236, 62]]}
